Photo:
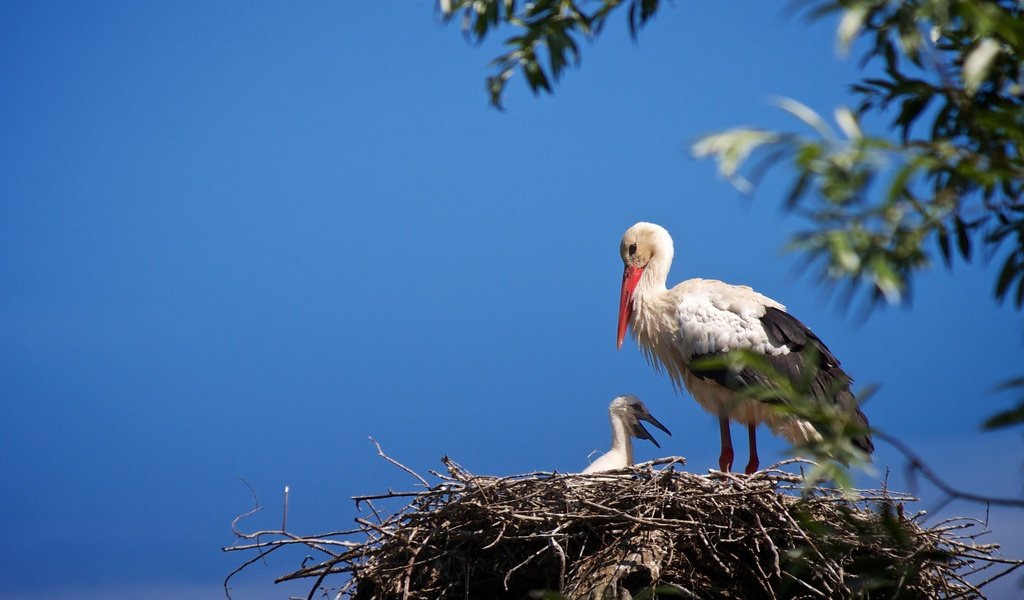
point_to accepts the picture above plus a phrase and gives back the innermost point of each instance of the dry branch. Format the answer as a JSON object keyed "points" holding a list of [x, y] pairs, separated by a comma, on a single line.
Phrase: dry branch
{"points": [[611, 535]]}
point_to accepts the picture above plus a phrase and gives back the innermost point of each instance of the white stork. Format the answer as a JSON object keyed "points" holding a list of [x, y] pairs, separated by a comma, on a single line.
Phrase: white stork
{"points": [[705, 318], [625, 413]]}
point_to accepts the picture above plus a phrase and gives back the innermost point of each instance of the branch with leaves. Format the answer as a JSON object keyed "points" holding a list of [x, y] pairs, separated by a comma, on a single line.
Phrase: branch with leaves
{"points": [[950, 80], [547, 34]]}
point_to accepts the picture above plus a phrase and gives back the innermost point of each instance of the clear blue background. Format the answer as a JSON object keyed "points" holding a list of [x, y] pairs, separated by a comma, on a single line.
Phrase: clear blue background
{"points": [[238, 238]]}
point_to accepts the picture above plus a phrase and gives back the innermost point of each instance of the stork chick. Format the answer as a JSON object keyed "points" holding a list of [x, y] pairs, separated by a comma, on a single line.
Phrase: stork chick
{"points": [[625, 413], [702, 318]]}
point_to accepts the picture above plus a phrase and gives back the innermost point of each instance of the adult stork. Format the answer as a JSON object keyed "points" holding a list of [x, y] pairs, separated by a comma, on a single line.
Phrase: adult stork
{"points": [[702, 318], [625, 413]]}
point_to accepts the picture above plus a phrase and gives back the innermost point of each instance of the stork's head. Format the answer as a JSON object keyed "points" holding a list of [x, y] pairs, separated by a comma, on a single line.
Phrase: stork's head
{"points": [[643, 245], [630, 410]]}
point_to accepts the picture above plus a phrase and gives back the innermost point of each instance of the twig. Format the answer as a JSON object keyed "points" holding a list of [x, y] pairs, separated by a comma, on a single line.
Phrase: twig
{"points": [[227, 580], [284, 513], [389, 494], [256, 508], [380, 453], [522, 564]]}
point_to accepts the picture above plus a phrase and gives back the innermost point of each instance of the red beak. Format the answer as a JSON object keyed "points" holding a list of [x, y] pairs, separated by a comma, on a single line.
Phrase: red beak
{"points": [[630, 277]]}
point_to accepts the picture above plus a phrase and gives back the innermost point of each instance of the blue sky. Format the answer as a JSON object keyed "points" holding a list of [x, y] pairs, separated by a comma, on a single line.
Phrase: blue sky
{"points": [[237, 239]]}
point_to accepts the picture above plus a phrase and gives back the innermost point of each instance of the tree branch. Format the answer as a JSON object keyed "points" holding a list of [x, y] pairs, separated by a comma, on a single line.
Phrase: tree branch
{"points": [[917, 464]]}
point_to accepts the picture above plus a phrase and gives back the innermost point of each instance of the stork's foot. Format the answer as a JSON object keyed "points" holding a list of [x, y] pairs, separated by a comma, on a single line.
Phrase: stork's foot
{"points": [[725, 460], [753, 463]]}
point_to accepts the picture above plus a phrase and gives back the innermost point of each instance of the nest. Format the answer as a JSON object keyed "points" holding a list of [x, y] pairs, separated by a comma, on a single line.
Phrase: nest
{"points": [[644, 530]]}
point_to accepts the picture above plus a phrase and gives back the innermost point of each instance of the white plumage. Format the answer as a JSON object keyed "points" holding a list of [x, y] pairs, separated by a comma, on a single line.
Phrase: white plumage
{"points": [[625, 413], [706, 318]]}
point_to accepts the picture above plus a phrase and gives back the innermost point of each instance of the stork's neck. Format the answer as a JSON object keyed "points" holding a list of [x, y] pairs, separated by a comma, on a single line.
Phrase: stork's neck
{"points": [[621, 439], [650, 291]]}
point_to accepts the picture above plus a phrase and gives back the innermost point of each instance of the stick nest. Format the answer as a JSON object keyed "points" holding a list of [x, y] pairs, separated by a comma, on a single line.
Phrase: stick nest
{"points": [[648, 531]]}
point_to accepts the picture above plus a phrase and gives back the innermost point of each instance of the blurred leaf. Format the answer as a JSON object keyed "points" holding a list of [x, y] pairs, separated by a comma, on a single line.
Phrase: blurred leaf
{"points": [[1019, 300], [942, 236], [805, 114], [639, 13], [730, 149], [963, 240], [887, 280], [1006, 418], [978, 64], [909, 112], [849, 27], [1010, 384], [798, 190], [1010, 271], [848, 123], [1012, 416]]}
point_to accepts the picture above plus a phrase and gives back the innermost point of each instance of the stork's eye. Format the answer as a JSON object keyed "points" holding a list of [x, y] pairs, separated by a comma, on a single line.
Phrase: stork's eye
{"points": [[632, 249]]}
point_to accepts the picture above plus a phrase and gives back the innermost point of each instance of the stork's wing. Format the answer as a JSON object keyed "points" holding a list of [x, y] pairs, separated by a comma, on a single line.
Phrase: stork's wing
{"points": [[830, 380], [792, 350], [726, 318]]}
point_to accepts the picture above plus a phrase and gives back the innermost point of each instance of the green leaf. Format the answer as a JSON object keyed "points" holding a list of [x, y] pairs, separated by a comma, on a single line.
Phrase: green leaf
{"points": [[805, 114], [843, 253], [1010, 271], [909, 111], [1020, 293], [1007, 418], [495, 86], [849, 26], [798, 190], [942, 235], [1009, 384], [848, 123], [963, 240], [730, 149], [978, 63], [887, 280], [640, 12]]}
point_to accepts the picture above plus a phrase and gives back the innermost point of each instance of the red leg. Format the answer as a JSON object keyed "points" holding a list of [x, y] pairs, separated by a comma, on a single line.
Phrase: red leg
{"points": [[725, 458], [752, 438]]}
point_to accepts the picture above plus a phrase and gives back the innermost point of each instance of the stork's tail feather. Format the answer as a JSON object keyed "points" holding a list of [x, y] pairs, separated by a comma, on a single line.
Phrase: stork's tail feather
{"points": [[863, 441]]}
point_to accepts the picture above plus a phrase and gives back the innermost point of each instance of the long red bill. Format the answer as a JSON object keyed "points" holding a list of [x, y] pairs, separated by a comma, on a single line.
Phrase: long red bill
{"points": [[630, 277]]}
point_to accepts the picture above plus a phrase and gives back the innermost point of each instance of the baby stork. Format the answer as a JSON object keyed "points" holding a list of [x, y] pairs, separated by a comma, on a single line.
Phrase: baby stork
{"points": [[625, 413]]}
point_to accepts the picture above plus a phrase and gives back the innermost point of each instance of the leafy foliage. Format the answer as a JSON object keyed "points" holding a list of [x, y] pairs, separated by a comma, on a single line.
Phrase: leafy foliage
{"points": [[951, 84], [547, 34], [854, 234], [949, 78]]}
